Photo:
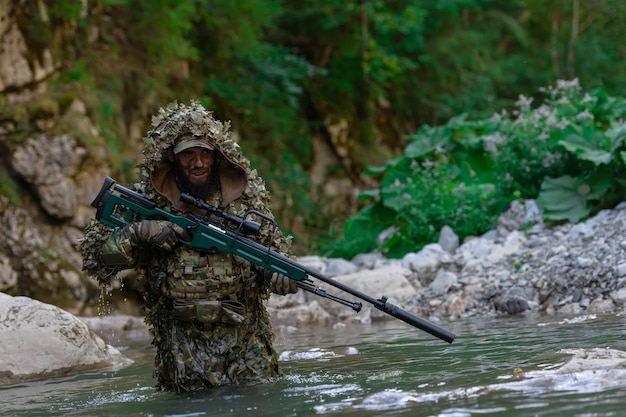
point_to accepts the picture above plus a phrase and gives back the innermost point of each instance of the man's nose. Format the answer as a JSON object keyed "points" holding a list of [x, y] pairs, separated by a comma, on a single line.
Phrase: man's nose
{"points": [[199, 161], [202, 161]]}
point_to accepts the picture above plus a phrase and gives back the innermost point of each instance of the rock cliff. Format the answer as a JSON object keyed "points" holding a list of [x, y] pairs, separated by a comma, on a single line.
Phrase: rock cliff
{"points": [[53, 161]]}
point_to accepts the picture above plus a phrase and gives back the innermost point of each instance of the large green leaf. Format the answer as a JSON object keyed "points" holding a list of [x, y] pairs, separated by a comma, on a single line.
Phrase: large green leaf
{"points": [[587, 145], [376, 170], [572, 198], [617, 135], [599, 182], [367, 195], [560, 199], [427, 141]]}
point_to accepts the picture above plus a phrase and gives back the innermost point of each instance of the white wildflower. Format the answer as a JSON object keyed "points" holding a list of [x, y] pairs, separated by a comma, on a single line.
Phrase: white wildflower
{"points": [[548, 160], [543, 111], [523, 101], [563, 100], [565, 84], [587, 98], [563, 124], [491, 147], [551, 120], [586, 114]]}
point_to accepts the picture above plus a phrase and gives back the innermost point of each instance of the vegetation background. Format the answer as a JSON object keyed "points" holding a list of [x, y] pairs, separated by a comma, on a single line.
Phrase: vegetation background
{"points": [[399, 95]]}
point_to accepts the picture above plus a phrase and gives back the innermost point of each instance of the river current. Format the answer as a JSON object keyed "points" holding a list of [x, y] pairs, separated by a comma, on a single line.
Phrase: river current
{"points": [[496, 367]]}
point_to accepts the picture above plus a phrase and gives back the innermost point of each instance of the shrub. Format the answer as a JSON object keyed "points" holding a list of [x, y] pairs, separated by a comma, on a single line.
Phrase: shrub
{"points": [[569, 153]]}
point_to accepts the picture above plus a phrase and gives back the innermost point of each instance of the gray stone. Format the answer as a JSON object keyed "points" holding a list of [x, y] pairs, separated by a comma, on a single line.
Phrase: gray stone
{"points": [[448, 240], [443, 282], [41, 340]]}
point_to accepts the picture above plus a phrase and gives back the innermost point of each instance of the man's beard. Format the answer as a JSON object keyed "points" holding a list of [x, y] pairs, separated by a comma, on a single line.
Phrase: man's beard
{"points": [[202, 190]]}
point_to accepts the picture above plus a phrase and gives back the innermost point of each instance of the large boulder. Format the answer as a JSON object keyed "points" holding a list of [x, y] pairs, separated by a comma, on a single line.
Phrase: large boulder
{"points": [[40, 340]]}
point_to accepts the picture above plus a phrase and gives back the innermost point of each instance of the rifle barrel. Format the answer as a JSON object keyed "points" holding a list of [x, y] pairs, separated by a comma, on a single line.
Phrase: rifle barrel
{"points": [[389, 308]]}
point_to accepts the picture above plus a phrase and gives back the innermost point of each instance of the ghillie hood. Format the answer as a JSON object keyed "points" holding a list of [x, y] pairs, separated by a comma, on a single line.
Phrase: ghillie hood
{"points": [[177, 121]]}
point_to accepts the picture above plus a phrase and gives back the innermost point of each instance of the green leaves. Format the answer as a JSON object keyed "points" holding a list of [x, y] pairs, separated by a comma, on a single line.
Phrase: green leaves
{"points": [[573, 198], [564, 198], [281, 69], [362, 230], [429, 141], [587, 144], [568, 152]]}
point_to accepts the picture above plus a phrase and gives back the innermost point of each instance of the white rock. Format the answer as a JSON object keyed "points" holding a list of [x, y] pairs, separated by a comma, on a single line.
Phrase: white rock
{"points": [[38, 339]]}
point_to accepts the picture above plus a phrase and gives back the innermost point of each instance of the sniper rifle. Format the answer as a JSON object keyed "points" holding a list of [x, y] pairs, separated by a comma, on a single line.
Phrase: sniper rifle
{"points": [[116, 206]]}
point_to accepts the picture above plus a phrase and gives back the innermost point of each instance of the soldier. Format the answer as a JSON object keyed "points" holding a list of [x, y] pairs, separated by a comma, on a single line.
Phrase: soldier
{"points": [[205, 310]]}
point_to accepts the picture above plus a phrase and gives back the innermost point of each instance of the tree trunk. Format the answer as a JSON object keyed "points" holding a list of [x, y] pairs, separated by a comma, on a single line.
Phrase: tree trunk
{"points": [[571, 67]]}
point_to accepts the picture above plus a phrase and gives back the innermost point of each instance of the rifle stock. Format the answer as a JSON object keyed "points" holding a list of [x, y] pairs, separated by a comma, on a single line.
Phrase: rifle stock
{"points": [[116, 206]]}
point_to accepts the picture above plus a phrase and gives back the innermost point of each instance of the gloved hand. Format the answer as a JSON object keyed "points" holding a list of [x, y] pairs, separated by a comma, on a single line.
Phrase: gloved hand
{"points": [[281, 284], [161, 233]]}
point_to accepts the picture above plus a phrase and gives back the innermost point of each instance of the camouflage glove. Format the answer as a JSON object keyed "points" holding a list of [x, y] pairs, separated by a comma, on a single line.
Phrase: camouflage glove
{"points": [[281, 284], [161, 233]]}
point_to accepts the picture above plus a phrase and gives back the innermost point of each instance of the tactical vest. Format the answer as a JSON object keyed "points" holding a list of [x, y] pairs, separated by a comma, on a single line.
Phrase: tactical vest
{"points": [[207, 288]]}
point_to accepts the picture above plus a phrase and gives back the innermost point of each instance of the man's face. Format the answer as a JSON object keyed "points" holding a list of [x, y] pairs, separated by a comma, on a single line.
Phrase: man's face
{"points": [[193, 169], [196, 164]]}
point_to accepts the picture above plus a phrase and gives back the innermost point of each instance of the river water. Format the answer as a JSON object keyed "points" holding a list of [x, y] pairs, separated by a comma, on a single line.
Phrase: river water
{"points": [[495, 367]]}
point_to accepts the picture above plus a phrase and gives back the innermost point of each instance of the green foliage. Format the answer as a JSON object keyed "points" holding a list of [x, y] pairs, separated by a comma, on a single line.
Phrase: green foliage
{"points": [[77, 73], [67, 9], [569, 153], [9, 189], [364, 228], [161, 27], [264, 96], [574, 198], [570, 198], [280, 69]]}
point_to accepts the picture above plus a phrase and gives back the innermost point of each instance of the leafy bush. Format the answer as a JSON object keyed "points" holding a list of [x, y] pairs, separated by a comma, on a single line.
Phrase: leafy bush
{"points": [[569, 153]]}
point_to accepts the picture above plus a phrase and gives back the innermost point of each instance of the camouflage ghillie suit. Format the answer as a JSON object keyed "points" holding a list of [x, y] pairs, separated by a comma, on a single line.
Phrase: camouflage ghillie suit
{"points": [[205, 310]]}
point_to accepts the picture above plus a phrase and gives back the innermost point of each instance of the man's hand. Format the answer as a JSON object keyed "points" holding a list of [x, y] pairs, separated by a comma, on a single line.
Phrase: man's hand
{"points": [[161, 233], [281, 284]]}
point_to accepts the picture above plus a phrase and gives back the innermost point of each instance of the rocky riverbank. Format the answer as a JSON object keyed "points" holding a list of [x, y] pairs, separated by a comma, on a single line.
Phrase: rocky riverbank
{"points": [[522, 266]]}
